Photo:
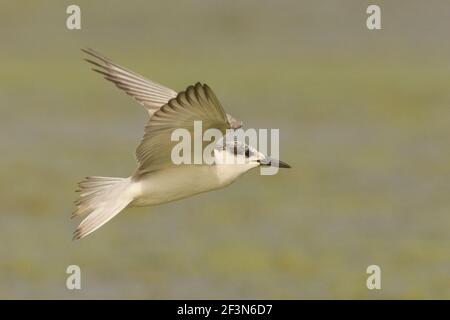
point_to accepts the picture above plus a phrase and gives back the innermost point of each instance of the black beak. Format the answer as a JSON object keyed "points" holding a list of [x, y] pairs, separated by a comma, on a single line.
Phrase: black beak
{"points": [[274, 163]]}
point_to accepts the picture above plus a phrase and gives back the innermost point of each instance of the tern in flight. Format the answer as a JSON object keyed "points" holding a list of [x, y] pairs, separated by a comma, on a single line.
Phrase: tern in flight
{"points": [[157, 179]]}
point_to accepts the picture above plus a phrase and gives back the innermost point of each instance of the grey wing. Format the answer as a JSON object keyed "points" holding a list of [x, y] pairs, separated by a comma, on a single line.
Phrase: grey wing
{"points": [[196, 103], [149, 94]]}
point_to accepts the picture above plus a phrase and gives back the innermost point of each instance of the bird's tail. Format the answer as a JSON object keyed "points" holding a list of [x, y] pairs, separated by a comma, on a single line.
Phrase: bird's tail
{"points": [[101, 198]]}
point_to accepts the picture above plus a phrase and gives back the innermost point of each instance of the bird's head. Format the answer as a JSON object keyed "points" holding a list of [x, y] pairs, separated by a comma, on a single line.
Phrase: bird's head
{"points": [[239, 153]]}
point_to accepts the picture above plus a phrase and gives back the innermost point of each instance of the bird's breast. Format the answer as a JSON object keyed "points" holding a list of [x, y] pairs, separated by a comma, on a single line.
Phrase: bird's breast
{"points": [[176, 183]]}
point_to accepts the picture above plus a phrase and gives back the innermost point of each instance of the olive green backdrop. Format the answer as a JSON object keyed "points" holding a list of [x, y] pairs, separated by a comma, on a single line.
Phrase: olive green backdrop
{"points": [[364, 118]]}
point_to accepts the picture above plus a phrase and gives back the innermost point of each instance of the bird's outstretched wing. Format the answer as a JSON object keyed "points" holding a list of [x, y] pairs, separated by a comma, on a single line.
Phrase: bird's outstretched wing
{"points": [[196, 103], [149, 94]]}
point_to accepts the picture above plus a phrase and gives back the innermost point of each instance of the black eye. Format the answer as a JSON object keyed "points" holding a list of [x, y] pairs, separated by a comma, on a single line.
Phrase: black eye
{"points": [[247, 152]]}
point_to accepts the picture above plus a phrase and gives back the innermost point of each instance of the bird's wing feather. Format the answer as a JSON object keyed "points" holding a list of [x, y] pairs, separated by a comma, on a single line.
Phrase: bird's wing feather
{"points": [[149, 94], [196, 103]]}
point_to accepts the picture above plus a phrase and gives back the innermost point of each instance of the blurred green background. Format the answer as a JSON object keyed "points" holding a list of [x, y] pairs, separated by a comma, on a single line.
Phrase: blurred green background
{"points": [[364, 118]]}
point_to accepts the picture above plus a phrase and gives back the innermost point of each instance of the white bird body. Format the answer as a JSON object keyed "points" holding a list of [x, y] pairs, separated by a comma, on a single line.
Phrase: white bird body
{"points": [[158, 179], [182, 182]]}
